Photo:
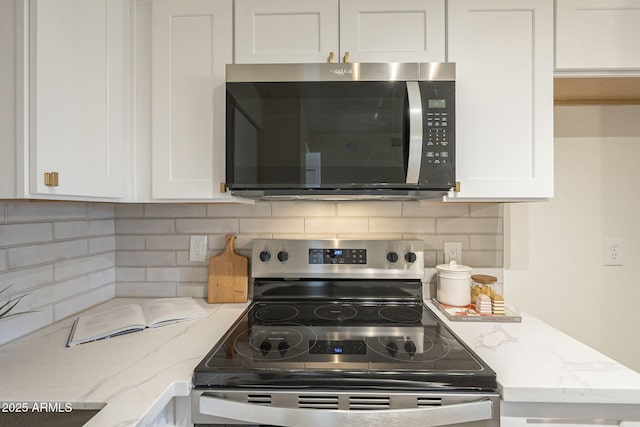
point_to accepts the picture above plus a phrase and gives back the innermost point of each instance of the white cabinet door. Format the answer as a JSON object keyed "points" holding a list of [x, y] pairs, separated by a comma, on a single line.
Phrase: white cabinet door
{"points": [[285, 31], [597, 35], [503, 50], [77, 100], [392, 31], [191, 44]]}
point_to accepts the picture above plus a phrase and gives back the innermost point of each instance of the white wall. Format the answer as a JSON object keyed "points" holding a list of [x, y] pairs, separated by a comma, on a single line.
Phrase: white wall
{"points": [[554, 255]]}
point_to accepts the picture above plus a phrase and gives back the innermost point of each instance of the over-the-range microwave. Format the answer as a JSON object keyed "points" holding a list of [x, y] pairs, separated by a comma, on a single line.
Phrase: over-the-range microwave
{"points": [[340, 131]]}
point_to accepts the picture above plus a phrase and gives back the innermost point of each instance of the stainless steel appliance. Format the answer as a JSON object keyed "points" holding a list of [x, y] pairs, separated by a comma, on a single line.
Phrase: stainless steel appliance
{"points": [[340, 131], [338, 334]]}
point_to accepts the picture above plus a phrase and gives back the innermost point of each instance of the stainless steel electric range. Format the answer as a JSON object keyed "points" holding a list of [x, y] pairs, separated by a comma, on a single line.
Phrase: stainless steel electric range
{"points": [[338, 334]]}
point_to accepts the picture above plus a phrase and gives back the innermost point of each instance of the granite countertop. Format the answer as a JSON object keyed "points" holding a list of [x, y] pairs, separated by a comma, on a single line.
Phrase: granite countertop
{"points": [[136, 375]]}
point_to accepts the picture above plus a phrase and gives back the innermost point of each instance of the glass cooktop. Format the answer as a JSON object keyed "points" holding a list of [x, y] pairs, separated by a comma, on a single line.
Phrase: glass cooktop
{"points": [[400, 345]]}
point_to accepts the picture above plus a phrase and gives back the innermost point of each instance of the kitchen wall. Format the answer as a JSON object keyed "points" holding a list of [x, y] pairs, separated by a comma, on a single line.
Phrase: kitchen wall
{"points": [[67, 256], [60, 256], [554, 251], [152, 240]]}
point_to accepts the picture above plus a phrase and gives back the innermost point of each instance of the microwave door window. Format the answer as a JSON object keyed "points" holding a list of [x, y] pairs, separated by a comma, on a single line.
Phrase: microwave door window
{"points": [[320, 134]]}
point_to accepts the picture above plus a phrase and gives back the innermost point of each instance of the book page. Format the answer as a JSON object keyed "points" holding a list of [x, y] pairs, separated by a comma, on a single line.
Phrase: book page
{"points": [[115, 321], [163, 311]]}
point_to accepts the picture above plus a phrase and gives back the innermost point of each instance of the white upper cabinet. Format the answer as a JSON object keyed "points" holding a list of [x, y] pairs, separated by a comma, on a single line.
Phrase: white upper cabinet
{"points": [[76, 119], [392, 31], [597, 35], [191, 43], [503, 50], [283, 31]]}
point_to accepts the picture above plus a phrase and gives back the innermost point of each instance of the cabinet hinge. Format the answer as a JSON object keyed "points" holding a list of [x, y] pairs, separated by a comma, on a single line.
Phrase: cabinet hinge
{"points": [[456, 189], [223, 187]]}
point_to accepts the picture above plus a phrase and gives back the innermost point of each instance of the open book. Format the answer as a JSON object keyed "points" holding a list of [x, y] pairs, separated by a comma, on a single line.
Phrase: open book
{"points": [[132, 318]]}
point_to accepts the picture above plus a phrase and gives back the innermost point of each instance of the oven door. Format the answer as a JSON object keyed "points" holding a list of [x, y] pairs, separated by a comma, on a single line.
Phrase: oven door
{"points": [[331, 408], [315, 136]]}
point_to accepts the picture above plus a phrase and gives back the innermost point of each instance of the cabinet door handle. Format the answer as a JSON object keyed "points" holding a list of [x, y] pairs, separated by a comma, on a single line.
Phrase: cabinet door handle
{"points": [[347, 58], [332, 57], [51, 179]]}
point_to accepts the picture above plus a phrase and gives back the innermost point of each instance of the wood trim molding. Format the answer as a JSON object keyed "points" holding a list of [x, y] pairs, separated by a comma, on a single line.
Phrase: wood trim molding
{"points": [[597, 91]]}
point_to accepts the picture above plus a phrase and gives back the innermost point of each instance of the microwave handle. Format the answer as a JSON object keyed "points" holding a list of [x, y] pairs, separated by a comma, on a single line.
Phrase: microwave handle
{"points": [[414, 163]]}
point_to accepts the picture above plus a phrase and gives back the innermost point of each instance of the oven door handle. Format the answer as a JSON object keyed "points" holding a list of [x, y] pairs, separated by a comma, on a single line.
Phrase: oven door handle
{"points": [[427, 417], [414, 162]]}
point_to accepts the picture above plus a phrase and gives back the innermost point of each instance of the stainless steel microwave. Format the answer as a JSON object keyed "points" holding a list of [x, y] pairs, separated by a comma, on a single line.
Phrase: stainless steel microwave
{"points": [[340, 131]]}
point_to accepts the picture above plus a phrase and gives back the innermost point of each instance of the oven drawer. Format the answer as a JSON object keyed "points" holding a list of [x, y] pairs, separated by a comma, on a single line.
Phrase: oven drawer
{"points": [[330, 407]]}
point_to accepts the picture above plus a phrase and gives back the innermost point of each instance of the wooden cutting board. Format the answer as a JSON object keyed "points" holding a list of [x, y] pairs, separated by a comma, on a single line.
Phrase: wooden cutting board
{"points": [[228, 276]]}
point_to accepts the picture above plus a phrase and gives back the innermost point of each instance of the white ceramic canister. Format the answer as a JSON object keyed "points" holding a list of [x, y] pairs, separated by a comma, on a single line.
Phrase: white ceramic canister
{"points": [[454, 284]]}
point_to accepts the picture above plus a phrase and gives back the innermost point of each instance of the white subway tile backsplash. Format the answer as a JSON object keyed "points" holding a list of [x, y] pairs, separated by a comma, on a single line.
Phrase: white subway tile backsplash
{"points": [[194, 290], [240, 210], [129, 210], [297, 209], [130, 242], [102, 244], [23, 256], [19, 234], [336, 225], [53, 293], [368, 209], [44, 211], [71, 306], [23, 279], [174, 242], [145, 226], [178, 274], [207, 226], [402, 225], [146, 289], [272, 225], [432, 209], [469, 225], [3, 260], [145, 259], [187, 210], [493, 210], [84, 265], [131, 274], [101, 210], [101, 278]]}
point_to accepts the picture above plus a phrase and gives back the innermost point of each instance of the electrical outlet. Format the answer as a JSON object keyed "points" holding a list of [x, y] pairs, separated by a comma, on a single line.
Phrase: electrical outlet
{"points": [[613, 252], [198, 248], [452, 252]]}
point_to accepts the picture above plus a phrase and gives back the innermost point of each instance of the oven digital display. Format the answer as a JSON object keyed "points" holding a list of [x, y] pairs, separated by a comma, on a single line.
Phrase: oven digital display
{"points": [[337, 256], [338, 347]]}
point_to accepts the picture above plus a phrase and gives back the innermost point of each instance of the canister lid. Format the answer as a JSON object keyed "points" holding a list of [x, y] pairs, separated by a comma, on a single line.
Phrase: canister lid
{"points": [[453, 267], [484, 278]]}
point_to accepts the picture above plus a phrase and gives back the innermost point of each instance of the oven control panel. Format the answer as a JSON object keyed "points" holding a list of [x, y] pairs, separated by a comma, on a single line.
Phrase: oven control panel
{"points": [[337, 256]]}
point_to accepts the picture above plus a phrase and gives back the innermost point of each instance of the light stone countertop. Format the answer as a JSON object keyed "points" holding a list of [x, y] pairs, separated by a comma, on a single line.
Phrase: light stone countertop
{"points": [[136, 375]]}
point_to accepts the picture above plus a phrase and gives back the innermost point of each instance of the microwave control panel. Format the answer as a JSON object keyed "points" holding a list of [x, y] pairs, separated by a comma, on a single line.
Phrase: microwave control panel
{"points": [[438, 152]]}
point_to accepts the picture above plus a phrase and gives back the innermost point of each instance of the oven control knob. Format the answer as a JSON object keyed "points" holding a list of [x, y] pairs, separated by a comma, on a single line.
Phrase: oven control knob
{"points": [[265, 256], [410, 257], [410, 348], [283, 256], [283, 347], [392, 348], [392, 257], [265, 347]]}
